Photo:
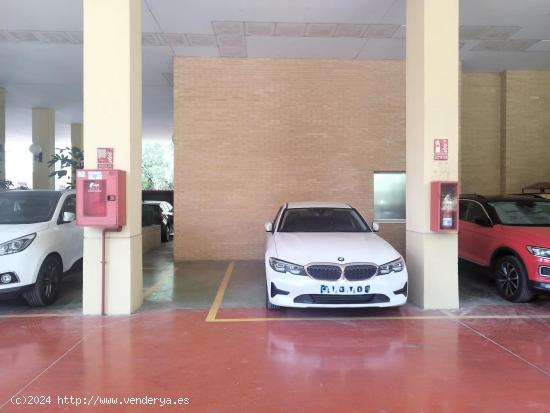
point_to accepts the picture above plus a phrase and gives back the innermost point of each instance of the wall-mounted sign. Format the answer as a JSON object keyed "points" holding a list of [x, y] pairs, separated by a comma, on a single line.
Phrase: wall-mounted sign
{"points": [[441, 149], [104, 158]]}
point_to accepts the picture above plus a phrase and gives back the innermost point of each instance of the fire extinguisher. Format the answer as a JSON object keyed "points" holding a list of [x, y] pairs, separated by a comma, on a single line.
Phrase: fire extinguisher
{"points": [[447, 212]]}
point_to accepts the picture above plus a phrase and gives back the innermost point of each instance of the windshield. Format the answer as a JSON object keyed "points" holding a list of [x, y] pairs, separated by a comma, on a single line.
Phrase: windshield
{"points": [[523, 213], [27, 207], [322, 220]]}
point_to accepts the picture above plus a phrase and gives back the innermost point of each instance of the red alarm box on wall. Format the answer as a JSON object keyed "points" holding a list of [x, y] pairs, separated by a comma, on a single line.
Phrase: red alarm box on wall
{"points": [[444, 206], [101, 198]]}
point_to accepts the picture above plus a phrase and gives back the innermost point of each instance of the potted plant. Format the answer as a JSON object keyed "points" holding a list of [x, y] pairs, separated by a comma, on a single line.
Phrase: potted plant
{"points": [[72, 158]]}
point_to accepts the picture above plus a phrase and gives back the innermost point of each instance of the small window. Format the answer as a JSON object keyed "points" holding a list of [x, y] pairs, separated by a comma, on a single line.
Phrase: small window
{"points": [[475, 211], [69, 205], [389, 196], [463, 209]]}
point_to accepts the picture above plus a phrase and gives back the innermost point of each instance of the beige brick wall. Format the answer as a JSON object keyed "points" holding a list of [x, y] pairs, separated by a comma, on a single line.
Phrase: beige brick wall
{"points": [[526, 136], [251, 134], [505, 131], [480, 133]]}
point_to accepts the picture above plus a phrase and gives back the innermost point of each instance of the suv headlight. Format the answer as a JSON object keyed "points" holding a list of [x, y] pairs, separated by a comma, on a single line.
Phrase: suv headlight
{"points": [[539, 251], [16, 245], [283, 266], [392, 266]]}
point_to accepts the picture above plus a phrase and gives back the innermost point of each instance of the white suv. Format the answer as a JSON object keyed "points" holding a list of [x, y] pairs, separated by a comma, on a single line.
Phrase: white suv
{"points": [[39, 242]]}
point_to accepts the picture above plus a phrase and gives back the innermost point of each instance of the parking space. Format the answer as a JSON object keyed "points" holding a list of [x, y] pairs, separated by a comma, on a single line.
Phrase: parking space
{"points": [[290, 356], [210, 317], [234, 291]]}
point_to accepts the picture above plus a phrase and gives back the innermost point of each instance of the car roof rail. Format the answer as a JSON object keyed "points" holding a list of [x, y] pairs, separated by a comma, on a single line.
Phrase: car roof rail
{"points": [[474, 195], [532, 195]]}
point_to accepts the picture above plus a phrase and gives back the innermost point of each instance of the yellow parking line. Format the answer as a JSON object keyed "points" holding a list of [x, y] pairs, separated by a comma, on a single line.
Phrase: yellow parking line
{"points": [[156, 285], [220, 293], [445, 314], [40, 315], [426, 317]]}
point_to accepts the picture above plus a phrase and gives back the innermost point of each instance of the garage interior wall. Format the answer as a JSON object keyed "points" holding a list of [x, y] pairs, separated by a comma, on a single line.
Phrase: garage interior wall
{"points": [[251, 134], [480, 133], [505, 131], [526, 129]]}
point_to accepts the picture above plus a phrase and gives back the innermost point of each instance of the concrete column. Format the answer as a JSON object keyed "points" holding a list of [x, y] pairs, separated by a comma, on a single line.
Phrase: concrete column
{"points": [[112, 118], [76, 141], [432, 112], [2, 134], [43, 134]]}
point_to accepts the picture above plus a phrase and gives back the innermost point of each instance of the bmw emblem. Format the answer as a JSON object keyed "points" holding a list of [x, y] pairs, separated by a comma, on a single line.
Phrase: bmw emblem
{"points": [[341, 259]]}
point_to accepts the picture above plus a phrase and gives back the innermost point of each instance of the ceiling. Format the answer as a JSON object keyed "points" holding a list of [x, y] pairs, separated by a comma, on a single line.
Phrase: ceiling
{"points": [[41, 44]]}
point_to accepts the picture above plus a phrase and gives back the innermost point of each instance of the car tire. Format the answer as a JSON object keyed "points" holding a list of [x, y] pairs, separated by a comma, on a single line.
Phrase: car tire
{"points": [[268, 303], [164, 234], [46, 289], [511, 280]]}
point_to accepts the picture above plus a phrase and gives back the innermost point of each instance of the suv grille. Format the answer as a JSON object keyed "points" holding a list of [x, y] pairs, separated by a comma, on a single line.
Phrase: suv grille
{"points": [[324, 272], [360, 272]]}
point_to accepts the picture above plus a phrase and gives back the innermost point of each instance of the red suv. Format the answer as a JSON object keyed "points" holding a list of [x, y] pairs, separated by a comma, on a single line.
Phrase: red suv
{"points": [[511, 236]]}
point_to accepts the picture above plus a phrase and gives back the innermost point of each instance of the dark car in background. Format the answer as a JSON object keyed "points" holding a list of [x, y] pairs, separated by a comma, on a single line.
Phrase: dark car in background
{"points": [[159, 213]]}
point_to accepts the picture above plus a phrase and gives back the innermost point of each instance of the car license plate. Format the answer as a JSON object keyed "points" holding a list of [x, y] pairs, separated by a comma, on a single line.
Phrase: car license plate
{"points": [[344, 289]]}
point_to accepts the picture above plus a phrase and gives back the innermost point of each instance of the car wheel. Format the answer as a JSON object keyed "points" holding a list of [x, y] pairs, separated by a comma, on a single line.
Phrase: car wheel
{"points": [[46, 289], [268, 304], [164, 235], [511, 279]]}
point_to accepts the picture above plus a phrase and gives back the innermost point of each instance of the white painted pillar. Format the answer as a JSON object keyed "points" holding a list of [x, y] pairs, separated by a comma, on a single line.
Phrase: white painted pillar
{"points": [[432, 64], [112, 118], [2, 134], [43, 134], [76, 141]]}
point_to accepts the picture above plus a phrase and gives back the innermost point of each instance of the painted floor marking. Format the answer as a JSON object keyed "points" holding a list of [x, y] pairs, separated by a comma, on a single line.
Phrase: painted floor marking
{"points": [[40, 315], [220, 293], [506, 349], [445, 314], [421, 317], [157, 284]]}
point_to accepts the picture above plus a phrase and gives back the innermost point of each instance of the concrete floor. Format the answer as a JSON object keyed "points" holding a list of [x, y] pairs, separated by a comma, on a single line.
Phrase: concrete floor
{"points": [[221, 349]]}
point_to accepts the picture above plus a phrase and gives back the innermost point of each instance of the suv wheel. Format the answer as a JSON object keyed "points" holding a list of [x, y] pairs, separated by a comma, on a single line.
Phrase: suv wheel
{"points": [[164, 234], [511, 279], [46, 289]]}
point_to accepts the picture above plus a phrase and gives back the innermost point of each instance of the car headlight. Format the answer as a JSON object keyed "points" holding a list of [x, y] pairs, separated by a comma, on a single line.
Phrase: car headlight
{"points": [[539, 251], [283, 266], [16, 245], [392, 266]]}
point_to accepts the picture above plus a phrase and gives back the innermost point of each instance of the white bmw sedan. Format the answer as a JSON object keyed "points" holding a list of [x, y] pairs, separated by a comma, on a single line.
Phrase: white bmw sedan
{"points": [[39, 242], [322, 254]]}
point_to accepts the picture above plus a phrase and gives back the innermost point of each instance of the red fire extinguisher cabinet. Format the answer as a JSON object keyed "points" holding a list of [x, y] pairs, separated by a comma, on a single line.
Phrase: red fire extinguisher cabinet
{"points": [[101, 198], [444, 206]]}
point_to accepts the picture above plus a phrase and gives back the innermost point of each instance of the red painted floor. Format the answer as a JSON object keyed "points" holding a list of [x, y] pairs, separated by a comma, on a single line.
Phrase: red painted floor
{"points": [[368, 365]]}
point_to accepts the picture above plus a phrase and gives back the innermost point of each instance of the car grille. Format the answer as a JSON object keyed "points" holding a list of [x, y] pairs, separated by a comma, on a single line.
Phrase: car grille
{"points": [[324, 272], [341, 299], [360, 272]]}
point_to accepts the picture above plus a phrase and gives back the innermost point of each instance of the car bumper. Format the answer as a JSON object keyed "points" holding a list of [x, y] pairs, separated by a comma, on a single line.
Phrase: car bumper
{"points": [[541, 287], [287, 290], [24, 265], [13, 292]]}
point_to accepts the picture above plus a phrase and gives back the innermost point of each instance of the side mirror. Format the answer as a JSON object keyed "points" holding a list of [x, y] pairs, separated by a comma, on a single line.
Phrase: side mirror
{"points": [[483, 222], [268, 227], [375, 227], [68, 217]]}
